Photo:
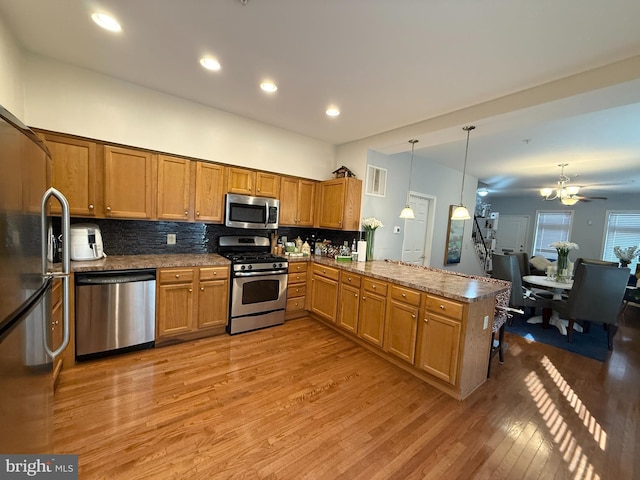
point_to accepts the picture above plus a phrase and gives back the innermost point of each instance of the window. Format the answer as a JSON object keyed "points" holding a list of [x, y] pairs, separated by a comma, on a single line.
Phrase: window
{"points": [[376, 181], [551, 227], [623, 230]]}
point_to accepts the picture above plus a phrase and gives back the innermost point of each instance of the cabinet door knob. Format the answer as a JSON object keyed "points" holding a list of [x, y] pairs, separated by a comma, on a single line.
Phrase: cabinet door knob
{"points": [[355, 295], [190, 290], [108, 209], [202, 289], [186, 213], [364, 298], [413, 316], [426, 320], [177, 276], [197, 214], [90, 206]]}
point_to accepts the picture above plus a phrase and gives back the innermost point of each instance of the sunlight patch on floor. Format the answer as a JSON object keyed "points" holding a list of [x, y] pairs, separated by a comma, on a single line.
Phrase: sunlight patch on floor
{"points": [[588, 420], [573, 454]]}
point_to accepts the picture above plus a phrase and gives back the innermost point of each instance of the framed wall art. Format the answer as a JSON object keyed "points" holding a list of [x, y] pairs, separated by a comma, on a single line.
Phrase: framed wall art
{"points": [[455, 231]]}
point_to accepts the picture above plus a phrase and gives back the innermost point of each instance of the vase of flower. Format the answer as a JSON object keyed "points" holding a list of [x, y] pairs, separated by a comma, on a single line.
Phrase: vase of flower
{"points": [[370, 225], [369, 235], [562, 272], [625, 255]]}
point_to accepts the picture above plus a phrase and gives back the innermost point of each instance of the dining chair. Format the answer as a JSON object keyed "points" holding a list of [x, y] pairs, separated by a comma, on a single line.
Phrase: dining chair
{"points": [[507, 267], [525, 269], [596, 296]]}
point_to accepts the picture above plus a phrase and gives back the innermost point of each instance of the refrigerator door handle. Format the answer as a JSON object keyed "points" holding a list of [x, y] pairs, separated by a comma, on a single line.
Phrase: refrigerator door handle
{"points": [[64, 276]]}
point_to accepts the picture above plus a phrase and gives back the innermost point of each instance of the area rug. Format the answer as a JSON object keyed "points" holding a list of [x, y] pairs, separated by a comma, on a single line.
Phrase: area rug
{"points": [[592, 344]]}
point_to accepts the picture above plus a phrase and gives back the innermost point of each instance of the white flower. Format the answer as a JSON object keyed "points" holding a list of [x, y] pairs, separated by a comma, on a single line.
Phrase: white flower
{"points": [[627, 254], [371, 223], [564, 246]]}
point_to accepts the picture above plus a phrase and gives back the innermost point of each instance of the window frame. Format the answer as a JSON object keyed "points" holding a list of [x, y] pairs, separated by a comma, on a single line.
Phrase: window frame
{"points": [[605, 234], [552, 254]]}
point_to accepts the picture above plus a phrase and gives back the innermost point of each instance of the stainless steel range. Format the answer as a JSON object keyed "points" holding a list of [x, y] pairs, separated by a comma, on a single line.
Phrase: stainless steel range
{"points": [[258, 283]]}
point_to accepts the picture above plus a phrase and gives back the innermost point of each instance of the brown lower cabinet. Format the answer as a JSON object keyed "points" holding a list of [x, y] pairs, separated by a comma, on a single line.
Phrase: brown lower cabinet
{"points": [[191, 301], [296, 290], [440, 340]]}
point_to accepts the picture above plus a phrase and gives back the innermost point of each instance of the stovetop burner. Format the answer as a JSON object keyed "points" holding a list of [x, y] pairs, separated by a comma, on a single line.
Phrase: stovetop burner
{"points": [[252, 257]]}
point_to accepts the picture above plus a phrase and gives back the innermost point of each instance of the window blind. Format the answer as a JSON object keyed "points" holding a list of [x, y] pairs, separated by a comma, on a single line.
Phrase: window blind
{"points": [[623, 230], [551, 227]]}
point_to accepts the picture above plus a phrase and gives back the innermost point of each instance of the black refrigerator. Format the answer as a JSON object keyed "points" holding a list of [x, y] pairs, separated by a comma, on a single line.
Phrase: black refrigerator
{"points": [[27, 250]]}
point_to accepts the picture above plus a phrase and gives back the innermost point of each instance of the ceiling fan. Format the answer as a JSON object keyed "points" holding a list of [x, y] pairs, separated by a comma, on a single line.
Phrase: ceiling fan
{"points": [[567, 194]]}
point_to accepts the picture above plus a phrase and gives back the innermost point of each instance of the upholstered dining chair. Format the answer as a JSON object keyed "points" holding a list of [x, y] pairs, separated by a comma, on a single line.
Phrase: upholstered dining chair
{"points": [[596, 296], [507, 267], [525, 269]]}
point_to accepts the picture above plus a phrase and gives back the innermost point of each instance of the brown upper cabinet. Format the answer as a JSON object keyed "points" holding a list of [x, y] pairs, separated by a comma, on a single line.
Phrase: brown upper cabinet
{"points": [[129, 183], [174, 188], [340, 203], [209, 192], [297, 199], [75, 173], [250, 182]]}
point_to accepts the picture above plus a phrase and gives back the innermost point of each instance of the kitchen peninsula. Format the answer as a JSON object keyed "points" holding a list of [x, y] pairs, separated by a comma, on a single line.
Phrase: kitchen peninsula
{"points": [[432, 323]]}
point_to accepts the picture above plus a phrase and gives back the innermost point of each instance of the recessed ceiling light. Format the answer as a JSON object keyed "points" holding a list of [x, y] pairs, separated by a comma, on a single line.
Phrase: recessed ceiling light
{"points": [[268, 86], [107, 22], [332, 111], [210, 63]]}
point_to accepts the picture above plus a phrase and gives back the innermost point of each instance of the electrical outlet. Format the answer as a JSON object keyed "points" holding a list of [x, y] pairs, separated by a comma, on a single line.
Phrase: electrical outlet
{"points": [[171, 238], [485, 325]]}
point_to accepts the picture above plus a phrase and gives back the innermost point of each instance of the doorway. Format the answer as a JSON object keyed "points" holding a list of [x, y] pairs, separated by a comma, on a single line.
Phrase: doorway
{"points": [[418, 232], [512, 233]]}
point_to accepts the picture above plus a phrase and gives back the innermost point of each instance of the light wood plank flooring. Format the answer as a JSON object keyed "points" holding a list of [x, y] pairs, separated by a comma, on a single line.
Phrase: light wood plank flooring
{"points": [[303, 402]]}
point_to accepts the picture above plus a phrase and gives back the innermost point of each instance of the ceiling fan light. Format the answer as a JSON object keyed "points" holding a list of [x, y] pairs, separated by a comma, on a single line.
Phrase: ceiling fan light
{"points": [[460, 213], [545, 192], [483, 192], [407, 213], [573, 190], [569, 200]]}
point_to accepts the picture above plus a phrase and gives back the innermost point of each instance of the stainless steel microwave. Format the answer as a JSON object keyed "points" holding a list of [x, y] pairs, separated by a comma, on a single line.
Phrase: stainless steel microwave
{"points": [[244, 211]]}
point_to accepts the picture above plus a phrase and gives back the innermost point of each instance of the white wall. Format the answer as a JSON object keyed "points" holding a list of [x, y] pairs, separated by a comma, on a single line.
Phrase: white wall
{"points": [[429, 177], [11, 92], [589, 218], [73, 100]]}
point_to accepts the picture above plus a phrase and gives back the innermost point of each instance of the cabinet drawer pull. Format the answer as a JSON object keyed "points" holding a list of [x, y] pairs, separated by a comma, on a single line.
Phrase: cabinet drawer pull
{"points": [[108, 209], [404, 295], [186, 213], [215, 273], [373, 286], [177, 276], [441, 307]]}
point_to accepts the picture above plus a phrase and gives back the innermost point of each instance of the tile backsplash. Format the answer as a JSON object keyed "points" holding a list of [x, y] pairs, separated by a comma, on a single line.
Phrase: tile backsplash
{"points": [[139, 237]]}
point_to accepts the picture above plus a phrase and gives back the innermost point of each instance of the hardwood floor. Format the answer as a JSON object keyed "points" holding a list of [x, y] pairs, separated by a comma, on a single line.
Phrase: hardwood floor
{"points": [[303, 402]]}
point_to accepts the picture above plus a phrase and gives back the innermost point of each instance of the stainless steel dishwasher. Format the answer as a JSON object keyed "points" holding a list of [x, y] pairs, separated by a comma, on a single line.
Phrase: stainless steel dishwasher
{"points": [[115, 312]]}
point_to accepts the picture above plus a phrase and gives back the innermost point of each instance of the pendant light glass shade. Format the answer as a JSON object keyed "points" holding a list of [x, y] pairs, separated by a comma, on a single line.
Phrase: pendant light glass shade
{"points": [[407, 211], [461, 212]]}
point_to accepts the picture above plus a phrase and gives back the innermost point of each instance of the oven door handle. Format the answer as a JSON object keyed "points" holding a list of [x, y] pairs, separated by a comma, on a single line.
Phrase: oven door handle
{"points": [[260, 273]]}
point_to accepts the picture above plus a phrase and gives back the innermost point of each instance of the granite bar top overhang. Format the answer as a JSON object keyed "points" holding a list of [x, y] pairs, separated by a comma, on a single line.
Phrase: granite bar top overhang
{"points": [[437, 282]]}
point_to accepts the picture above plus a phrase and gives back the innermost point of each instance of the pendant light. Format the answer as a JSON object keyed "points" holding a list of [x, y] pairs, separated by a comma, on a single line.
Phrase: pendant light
{"points": [[461, 212], [407, 211]]}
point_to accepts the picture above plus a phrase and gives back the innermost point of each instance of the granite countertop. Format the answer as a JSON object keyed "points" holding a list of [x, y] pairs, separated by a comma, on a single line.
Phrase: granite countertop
{"points": [[131, 262], [437, 282]]}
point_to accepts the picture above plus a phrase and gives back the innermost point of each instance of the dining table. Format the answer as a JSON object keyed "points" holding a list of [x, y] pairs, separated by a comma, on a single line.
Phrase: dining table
{"points": [[557, 288]]}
